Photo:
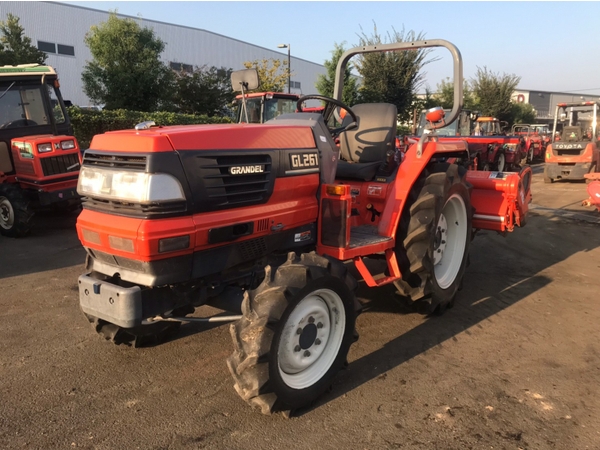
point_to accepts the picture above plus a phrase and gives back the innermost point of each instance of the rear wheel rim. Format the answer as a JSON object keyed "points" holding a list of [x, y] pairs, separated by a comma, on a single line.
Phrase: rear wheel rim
{"points": [[311, 339], [450, 241], [7, 214]]}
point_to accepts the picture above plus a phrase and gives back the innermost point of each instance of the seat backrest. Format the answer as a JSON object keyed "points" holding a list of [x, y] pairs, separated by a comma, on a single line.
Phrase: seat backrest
{"points": [[572, 134], [5, 162], [374, 135]]}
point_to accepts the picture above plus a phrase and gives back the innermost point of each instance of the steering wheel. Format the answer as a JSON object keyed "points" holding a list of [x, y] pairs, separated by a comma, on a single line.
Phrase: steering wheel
{"points": [[18, 123], [330, 106]]}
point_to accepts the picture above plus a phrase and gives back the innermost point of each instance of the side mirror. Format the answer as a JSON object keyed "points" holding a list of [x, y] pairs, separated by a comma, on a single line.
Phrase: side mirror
{"points": [[244, 80]]}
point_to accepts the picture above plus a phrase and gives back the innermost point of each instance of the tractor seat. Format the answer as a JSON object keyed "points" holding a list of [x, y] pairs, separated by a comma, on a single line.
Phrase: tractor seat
{"points": [[363, 149], [572, 134]]}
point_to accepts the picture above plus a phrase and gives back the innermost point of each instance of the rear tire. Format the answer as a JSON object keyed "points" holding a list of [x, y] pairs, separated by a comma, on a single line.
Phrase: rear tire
{"points": [[15, 212], [294, 334], [547, 179], [433, 254]]}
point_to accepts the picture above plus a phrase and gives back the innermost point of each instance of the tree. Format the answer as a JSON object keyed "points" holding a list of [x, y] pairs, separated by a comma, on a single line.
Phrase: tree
{"points": [[494, 93], [325, 83], [271, 79], [14, 47], [126, 71], [206, 91], [522, 113], [445, 95], [391, 77]]}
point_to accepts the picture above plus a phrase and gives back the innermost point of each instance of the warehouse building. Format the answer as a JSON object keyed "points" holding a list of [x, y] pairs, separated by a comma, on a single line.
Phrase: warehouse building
{"points": [[544, 102], [59, 30]]}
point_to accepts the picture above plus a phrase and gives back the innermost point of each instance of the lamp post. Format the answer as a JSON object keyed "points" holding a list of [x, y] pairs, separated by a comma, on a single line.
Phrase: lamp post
{"points": [[289, 65]]}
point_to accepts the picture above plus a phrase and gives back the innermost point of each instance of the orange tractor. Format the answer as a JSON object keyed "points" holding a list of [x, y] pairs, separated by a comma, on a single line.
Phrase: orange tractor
{"points": [[262, 220], [39, 157]]}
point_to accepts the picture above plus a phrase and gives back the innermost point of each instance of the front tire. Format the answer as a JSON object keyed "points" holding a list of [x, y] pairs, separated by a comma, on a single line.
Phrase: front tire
{"points": [[436, 241], [294, 334], [15, 212], [500, 162]]}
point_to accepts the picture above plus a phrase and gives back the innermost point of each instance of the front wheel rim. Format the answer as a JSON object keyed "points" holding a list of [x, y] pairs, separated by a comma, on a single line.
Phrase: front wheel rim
{"points": [[501, 161], [450, 241], [7, 215], [311, 338]]}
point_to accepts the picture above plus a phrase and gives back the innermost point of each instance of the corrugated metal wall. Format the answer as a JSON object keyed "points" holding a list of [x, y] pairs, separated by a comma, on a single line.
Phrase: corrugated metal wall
{"points": [[67, 25]]}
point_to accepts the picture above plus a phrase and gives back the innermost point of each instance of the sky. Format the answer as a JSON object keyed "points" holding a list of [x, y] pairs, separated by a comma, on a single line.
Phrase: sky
{"points": [[552, 46]]}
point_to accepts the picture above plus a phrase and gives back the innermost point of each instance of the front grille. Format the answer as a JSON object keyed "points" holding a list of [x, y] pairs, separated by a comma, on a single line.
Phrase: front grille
{"points": [[225, 189], [115, 161], [252, 249], [57, 165]]}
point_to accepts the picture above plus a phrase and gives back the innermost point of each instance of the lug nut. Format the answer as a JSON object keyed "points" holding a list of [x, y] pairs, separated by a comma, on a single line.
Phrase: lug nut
{"points": [[306, 353], [299, 331], [443, 242], [317, 341], [439, 250], [297, 348], [319, 325], [311, 319]]}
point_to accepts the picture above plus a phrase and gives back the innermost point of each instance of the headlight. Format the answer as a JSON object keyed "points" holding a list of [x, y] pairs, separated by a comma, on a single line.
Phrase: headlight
{"points": [[134, 187], [44, 148], [67, 145]]}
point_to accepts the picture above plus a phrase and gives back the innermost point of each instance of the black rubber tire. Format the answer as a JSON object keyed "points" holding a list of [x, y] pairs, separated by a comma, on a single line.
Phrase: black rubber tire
{"points": [[16, 214], [141, 336], [255, 362], [500, 167], [547, 179], [416, 241]]}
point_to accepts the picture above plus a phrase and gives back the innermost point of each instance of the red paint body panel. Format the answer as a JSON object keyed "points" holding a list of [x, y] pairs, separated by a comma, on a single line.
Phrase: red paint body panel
{"points": [[293, 203], [28, 170], [213, 137]]}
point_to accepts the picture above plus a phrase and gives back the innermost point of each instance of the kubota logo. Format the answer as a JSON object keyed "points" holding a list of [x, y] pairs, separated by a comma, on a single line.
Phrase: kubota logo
{"points": [[244, 170]]}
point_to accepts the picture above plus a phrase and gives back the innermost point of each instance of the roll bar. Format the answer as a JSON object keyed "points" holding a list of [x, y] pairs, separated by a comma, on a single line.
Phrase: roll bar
{"points": [[404, 46]]}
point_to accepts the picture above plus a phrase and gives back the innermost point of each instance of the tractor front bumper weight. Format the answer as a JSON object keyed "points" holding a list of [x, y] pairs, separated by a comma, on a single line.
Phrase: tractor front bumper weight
{"points": [[116, 304]]}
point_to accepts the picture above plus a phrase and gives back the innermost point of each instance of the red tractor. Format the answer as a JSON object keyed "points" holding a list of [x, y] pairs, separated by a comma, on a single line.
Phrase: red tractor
{"points": [[39, 157], [535, 138], [574, 152], [489, 147], [262, 221]]}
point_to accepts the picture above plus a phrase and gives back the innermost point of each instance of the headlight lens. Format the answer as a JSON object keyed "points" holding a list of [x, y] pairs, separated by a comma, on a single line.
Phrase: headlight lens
{"points": [[67, 145], [44, 148], [125, 186]]}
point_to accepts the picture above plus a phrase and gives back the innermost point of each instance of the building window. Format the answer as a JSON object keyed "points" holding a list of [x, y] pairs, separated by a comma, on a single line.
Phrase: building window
{"points": [[295, 85], [66, 50], [48, 47], [181, 67]]}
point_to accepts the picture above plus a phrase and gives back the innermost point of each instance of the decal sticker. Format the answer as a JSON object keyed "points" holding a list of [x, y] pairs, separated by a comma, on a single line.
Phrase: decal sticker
{"points": [[304, 160], [323, 138], [558, 146], [301, 237], [498, 175], [374, 191], [245, 170]]}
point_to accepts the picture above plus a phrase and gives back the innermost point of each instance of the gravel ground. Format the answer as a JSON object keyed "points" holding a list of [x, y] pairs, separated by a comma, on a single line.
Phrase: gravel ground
{"points": [[515, 364]]}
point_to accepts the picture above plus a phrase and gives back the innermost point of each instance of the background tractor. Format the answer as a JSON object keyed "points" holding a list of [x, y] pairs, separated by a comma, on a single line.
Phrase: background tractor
{"points": [[262, 221], [39, 157], [535, 139], [489, 146]]}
